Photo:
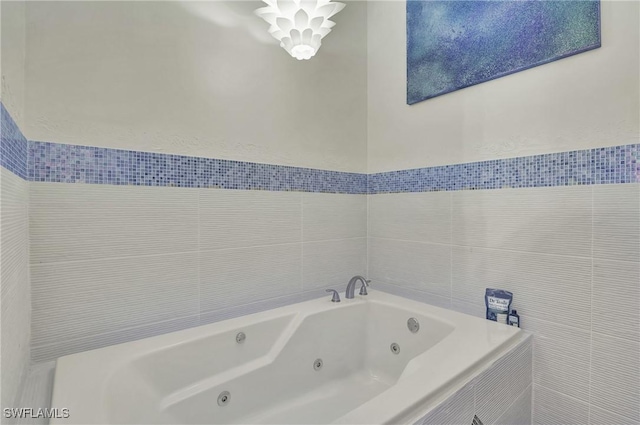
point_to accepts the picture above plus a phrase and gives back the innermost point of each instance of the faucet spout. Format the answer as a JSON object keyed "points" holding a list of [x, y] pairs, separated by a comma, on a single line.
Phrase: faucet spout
{"points": [[352, 285]]}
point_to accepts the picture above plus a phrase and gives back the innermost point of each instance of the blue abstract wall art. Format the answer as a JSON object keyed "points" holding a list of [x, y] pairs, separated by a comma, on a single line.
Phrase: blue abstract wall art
{"points": [[456, 44]]}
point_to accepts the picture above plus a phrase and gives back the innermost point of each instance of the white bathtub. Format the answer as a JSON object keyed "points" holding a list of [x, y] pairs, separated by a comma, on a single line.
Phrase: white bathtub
{"points": [[178, 377]]}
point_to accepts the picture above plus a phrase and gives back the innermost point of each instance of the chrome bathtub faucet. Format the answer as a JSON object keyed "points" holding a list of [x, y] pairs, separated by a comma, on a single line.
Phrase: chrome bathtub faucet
{"points": [[352, 286], [336, 296]]}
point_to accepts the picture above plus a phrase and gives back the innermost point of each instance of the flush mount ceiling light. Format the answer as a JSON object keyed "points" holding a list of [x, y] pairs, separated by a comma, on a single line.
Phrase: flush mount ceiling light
{"points": [[299, 25]]}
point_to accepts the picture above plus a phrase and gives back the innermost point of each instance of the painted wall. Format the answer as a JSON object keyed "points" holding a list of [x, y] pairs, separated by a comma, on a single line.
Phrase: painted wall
{"points": [[585, 101], [12, 58], [195, 78]]}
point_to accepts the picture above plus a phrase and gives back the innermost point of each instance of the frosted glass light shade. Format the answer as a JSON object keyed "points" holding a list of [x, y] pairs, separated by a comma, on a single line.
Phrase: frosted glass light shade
{"points": [[299, 25]]}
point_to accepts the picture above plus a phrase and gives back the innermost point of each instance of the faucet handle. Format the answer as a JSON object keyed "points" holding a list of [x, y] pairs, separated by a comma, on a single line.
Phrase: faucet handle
{"points": [[336, 296], [363, 288]]}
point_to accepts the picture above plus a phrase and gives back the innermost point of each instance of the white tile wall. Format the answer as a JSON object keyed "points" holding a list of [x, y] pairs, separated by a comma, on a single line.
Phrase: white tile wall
{"points": [[615, 348], [414, 294], [555, 220], [329, 264], [554, 408], [567, 253], [82, 298], [333, 216], [561, 356], [519, 413], [334, 234], [244, 218], [616, 228], [245, 275], [571, 255], [415, 265], [616, 289], [473, 309], [116, 263], [14, 291], [605, 417], [73, 222], [64, 346], [421, 217], [498, 387], [37, 391], [262, 305], [615, 375], [501, 394], [456, 410], [542, 284]]}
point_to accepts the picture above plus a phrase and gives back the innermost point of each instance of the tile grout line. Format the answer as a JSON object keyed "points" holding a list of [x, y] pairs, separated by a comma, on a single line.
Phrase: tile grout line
{"points": [[125, 329], [591, 309], [515, 399], [198, 262], [451, 250], [182, 252], [329, 240], [489, 248], [533, 386], [615, 337], [29, 260], [577, 400], [420, 291], [114, 258], [366, 248], [301, 242], [475, 401]]}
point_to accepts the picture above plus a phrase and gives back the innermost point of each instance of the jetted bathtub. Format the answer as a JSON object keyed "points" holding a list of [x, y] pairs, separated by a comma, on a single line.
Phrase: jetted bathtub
{"points": [[315, 362]]}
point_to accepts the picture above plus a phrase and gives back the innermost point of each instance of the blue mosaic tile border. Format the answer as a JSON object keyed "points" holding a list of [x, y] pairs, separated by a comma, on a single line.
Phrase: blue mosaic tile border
{"points": [[617, 164], [53, 162], [61, 163], [13, 145]]}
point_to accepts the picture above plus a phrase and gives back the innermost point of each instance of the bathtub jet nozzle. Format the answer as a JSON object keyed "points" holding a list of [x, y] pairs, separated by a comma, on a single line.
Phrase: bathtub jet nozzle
{"points": [[224, 398], [317, 364], [413, 325]]}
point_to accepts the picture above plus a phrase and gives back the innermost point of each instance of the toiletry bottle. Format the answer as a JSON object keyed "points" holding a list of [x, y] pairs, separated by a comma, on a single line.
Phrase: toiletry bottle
{"points": [[514, 319]]}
